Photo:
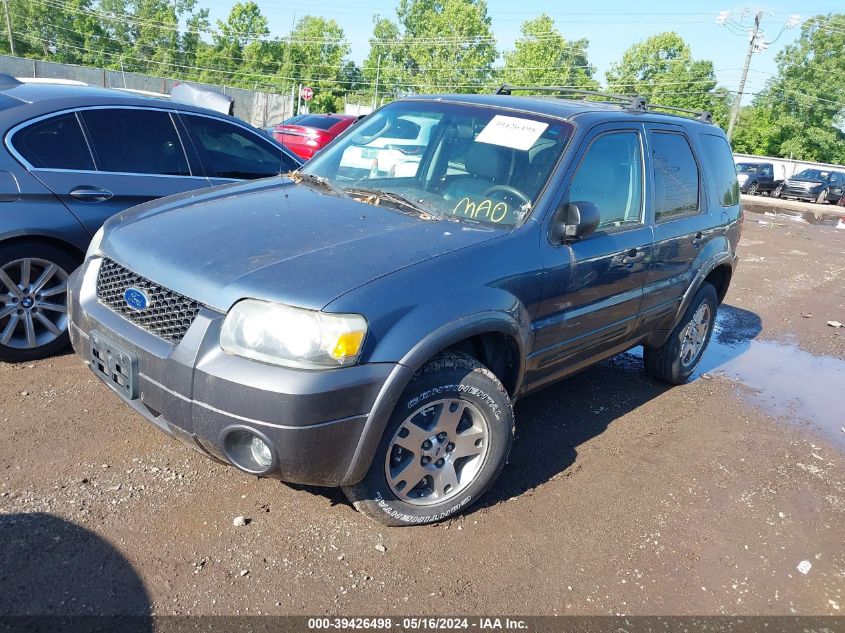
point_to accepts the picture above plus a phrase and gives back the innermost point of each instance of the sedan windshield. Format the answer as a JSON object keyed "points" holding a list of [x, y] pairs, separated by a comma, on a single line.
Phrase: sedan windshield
{"points": [[470, 163]]}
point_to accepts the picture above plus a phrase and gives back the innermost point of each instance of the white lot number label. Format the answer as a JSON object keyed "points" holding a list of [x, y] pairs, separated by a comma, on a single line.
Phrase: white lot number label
{"points": [[513, 132]]}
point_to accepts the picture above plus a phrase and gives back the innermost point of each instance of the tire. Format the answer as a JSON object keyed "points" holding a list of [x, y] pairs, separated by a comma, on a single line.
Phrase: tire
{"points": [[676, 360], [752, 189], [777, 191], [480, 411], [33, 325], [822, 197]]}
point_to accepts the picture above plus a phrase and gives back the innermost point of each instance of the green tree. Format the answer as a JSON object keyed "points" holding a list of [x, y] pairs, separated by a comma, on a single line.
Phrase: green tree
{"points": [[438, 45], [800, 114], [542, 57], [316, 55], [662, 69], [236, 54]]}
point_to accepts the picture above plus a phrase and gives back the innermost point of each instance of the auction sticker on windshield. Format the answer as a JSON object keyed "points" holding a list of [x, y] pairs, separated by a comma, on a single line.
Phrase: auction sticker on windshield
{"points": [[512, 132]]}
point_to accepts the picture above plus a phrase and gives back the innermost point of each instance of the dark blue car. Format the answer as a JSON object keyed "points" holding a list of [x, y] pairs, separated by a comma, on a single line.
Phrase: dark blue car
{"points": [[369, 322], [73, 156]]}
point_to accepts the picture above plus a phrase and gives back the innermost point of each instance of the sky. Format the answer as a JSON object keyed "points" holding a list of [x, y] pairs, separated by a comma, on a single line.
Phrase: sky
{"points": [[611, 26]]}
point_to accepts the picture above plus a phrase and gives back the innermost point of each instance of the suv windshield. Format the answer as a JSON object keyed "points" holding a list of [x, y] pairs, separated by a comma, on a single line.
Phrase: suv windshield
{"points": [[813, 174], [471, 163]]}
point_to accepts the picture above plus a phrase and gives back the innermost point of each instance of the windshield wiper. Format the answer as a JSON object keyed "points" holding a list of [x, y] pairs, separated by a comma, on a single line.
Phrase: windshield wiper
{"points": [[398, 201], [312, 179]]}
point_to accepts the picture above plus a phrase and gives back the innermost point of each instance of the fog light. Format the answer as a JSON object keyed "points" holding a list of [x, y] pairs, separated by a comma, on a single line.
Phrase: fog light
{"points": [[249, 449], [261, 452]]}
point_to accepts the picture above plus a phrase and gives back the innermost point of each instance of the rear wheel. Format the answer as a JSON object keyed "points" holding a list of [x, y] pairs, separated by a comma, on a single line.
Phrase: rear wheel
{"points": [[445, 444], [777, 191], [677, 358], [33, 300]]}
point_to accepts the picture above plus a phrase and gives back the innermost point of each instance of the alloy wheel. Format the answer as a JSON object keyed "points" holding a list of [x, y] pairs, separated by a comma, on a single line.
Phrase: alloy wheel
{"points": [[695, 335], [33, 303], [437, 451]]}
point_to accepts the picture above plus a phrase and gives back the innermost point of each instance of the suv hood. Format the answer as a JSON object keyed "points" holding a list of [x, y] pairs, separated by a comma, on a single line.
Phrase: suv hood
{"points": [[274, 240], [814, 181]]}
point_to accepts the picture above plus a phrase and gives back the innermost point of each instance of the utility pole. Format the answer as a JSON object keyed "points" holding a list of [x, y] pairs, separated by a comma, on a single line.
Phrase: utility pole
{"points": [[753, 44], [757, 43], [9, 26]]}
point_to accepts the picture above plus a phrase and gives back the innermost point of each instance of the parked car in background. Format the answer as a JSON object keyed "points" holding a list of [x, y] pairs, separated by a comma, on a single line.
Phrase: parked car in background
{"points": [[309, 133], [392, 152], [374, 333], [73, 156], [815, 185], [757, 178]]}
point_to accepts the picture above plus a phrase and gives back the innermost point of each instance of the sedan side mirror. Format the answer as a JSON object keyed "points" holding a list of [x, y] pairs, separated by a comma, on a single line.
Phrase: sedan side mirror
{"points": [[574, 221]]}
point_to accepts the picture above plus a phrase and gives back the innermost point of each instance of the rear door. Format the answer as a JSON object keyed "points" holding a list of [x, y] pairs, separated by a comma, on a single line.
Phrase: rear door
{"points": [[117, 157], [230, 151], [682, 222], [593, 287]]}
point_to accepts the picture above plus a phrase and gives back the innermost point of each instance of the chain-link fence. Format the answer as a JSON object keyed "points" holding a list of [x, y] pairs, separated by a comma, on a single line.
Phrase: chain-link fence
{"points": [[257, 108]]}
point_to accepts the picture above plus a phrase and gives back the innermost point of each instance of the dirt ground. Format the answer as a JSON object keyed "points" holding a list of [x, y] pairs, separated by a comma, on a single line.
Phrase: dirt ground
{"points": [[621, 495]]}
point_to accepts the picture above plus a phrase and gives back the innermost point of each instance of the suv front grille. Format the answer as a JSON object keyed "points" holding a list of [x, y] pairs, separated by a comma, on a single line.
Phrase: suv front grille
{"points": [[169, 314]]}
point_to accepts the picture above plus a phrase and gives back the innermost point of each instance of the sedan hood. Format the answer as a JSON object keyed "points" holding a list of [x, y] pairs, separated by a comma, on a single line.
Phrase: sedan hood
{"points": [[274, 240]]}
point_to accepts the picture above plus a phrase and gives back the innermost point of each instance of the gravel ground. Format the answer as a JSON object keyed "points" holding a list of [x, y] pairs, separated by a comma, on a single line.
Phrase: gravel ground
{"points": [[621, 495]]}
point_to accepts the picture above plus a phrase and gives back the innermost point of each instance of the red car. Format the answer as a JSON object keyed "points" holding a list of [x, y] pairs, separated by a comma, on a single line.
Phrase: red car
{"points": [[304, 135]]}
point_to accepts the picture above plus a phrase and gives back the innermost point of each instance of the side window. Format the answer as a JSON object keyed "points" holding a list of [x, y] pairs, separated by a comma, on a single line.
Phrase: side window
{"points": [[135, 141], [675, 176], [233, 152], [55, 143], [719, 160], [611, 176]]}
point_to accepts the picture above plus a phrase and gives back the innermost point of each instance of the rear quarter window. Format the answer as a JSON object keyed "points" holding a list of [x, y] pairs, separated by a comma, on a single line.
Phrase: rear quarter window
{"points": [[719, 165]]}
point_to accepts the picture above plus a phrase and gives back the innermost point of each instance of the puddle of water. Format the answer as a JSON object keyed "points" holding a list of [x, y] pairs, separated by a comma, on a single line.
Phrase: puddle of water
{"points": [[785, 380]]}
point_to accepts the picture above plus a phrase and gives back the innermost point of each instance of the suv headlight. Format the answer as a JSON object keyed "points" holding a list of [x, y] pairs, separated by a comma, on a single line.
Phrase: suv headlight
{"points": [[742, 178], [94, 246], [294, 337]]}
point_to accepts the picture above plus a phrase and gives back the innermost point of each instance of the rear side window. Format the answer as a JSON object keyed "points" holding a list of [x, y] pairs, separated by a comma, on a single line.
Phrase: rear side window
{"points": [[318, 122], [675, 176], [233, 152], [135, 142], [55, 143], [719, 160]]}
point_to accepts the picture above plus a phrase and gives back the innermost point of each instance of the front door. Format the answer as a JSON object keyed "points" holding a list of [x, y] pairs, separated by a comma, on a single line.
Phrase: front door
{"points": [[593, 287]]}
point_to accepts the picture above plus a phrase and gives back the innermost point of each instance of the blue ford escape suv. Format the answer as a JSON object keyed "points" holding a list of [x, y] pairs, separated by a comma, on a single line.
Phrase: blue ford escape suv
{"points": [[368, 321]]}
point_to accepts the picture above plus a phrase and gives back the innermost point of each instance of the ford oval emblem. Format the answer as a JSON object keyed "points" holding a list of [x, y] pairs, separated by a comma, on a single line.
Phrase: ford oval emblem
{"points": [[136, 299]]}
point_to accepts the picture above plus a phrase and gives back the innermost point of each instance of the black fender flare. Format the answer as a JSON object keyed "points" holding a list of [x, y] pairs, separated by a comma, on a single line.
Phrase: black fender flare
{"points": [[707, 267], [438, 340]]}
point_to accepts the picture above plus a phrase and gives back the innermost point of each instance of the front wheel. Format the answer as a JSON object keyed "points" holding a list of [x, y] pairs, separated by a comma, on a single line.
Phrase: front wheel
{"points": [[33, 300], [677, 358], [446, 442], [752, 189], [822, 197]]}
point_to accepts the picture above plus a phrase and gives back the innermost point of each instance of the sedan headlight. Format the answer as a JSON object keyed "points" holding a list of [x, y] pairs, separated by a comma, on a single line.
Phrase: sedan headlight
{"points": [[94, 246], [294, 337]]}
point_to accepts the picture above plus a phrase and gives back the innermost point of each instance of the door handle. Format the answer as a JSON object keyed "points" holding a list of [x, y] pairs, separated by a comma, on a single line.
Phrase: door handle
{"points": [[698, 239], [91, 194], [633, 256]]}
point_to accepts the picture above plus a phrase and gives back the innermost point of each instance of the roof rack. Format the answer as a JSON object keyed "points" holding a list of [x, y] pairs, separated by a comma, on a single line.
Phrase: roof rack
{"points": [[633, 103], [700, 115]]}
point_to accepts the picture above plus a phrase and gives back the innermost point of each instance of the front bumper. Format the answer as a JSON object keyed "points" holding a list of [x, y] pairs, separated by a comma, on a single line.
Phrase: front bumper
{"points": [[197, 393], [800, 193]]}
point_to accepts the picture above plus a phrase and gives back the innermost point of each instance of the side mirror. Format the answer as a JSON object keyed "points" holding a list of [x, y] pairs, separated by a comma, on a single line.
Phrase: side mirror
{"points": [[574, 221]]}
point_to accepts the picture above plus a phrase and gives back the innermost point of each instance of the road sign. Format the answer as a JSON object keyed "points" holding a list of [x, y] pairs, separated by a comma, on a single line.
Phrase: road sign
{"points": [[306, 93]]}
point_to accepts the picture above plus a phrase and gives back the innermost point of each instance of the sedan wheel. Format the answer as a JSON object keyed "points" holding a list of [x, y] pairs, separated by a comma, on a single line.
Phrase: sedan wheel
{"points": [[33, 302]]}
